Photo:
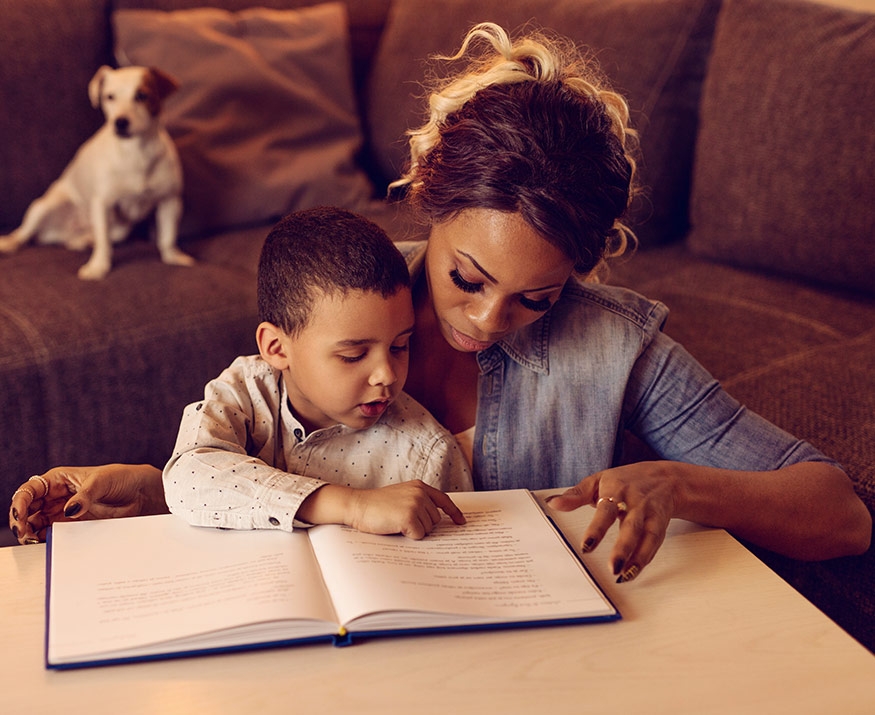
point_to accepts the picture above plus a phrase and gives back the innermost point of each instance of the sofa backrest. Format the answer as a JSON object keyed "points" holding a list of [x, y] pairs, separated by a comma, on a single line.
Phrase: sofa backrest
{"points": [[654, 52], [785, 160]]}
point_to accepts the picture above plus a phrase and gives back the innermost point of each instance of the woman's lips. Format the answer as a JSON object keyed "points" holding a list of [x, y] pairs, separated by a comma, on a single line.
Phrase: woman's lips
{"points": [[466, 343]]}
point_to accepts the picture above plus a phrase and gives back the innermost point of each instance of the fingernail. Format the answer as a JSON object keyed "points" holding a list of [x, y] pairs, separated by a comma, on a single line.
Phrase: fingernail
{"points": [[15, 530], [629, 574], [73, 509], [31, 540], [588, 545], [618, 566], [550, 498], [15, 513]]}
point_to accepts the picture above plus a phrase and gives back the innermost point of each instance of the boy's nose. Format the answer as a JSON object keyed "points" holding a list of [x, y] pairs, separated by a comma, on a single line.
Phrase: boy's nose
{"points": [[383, 375]]}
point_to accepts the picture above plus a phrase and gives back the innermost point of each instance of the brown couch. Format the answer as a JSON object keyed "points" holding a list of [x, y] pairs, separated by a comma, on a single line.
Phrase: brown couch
{"points": [[756, 230]]}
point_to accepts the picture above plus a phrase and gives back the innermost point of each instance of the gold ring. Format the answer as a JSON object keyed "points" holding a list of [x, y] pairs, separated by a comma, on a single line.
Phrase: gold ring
{"points": [[42, 481], [621, 505], [25, 488]]}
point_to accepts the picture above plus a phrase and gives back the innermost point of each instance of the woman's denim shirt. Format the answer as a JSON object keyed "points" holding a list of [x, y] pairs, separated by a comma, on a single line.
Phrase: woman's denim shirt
{"points": [[555, 397]]}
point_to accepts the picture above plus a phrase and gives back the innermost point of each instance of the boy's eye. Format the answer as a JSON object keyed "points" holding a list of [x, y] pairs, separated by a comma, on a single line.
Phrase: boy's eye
{"points": [[539, 306], [464, 285], [351, 358], [399, 349], [141, 96]]}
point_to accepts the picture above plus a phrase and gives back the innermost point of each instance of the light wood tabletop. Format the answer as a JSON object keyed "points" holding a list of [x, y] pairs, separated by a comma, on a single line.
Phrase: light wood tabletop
{"points": [[706, 628]]}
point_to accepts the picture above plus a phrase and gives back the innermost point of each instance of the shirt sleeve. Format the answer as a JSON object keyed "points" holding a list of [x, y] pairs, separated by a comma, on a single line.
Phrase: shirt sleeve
{"points": [[444, 466], [681, 411], [218, 474]]}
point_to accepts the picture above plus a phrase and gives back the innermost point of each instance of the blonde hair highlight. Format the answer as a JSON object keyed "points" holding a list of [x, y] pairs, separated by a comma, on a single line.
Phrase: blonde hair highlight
{"points": [[535, 57]]}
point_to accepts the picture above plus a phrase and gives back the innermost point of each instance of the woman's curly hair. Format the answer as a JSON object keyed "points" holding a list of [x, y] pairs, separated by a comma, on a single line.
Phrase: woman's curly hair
{"points": [[529, 127]]}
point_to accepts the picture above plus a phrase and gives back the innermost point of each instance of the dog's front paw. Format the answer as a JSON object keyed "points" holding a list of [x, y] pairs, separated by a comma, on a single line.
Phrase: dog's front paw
{"points": [[8, 244], [175, 257], [94, 270]]}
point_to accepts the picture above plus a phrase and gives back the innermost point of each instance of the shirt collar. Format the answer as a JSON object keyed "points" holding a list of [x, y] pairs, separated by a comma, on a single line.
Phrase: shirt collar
{"points": [[293, 425]]}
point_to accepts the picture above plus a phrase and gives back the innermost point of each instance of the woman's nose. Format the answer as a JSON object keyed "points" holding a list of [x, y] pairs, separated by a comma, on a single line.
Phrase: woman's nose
{"points": [[491, 317]]}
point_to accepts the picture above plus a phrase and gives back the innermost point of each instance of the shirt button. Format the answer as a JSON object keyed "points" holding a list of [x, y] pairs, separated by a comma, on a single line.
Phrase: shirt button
{"points": [[274, 521], [299, 434]]}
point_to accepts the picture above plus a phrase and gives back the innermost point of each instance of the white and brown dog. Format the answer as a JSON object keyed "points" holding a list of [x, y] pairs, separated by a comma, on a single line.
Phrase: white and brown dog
{"points": [[129, 168]]}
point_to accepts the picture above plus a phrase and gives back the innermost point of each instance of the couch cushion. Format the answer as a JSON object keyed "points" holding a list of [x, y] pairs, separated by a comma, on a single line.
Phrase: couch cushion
{"points": [[265, 118], [653, 52], [95, 372], [366, 20], [784, 174], [50, 52]]}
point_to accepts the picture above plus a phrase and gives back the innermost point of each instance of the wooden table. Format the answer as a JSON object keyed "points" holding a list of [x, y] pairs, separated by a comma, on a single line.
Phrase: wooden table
{"points": [[707, 628]]}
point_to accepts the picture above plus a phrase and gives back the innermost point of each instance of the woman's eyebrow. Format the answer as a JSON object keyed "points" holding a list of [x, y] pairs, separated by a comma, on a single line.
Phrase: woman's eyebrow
{"points": [[478, 266], [492, 280]]}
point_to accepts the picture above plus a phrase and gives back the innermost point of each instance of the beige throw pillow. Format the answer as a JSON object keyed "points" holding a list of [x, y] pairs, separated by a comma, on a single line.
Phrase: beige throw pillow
{"points": [[265, 118]]}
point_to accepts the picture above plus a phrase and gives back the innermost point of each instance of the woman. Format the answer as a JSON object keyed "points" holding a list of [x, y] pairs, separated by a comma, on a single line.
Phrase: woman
{"points": [[524, 171]]}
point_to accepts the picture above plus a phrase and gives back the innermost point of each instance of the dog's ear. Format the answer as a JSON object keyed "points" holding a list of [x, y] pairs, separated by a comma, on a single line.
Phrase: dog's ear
{"points": [[164, 84], [96, 84]]}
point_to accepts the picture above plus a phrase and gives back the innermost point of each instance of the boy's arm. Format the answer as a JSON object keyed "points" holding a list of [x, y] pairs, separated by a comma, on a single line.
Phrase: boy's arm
{"points": [[218, 474], [410, 508], [222, 473]]}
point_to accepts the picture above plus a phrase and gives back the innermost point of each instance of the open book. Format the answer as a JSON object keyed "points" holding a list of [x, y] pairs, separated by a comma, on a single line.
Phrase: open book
{"points": [[155, 587]]}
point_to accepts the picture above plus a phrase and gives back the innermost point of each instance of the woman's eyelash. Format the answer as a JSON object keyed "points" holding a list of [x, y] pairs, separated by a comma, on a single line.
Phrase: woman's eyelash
{"points": [[539, 306], [462, 284]]}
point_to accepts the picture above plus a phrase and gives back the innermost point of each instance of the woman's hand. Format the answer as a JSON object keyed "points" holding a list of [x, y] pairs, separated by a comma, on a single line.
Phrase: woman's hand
{"points": [[410, 508], [66, 493], [642, 496], [805, 511]]}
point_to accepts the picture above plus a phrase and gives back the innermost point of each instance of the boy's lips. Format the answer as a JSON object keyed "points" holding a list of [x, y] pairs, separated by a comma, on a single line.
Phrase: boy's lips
{"points": [[374, 409], [467, 343]]}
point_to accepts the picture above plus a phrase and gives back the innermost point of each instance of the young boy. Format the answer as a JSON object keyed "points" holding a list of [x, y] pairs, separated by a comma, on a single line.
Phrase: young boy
{"points": [[315, 429]]}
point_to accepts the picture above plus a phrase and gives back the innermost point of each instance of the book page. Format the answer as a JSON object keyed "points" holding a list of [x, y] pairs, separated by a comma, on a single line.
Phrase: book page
{"points": [[126, 583], [507, 563]]}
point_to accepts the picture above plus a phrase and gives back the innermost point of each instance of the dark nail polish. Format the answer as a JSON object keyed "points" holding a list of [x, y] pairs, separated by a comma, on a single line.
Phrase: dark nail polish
{"points": [[15, 513], [588, 545], [618, 566], [629, 574], [15, 531], [73, 509]]}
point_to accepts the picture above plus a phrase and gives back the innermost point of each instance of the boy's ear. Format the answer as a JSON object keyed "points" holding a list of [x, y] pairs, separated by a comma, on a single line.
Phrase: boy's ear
{"points": [[271, 346]]}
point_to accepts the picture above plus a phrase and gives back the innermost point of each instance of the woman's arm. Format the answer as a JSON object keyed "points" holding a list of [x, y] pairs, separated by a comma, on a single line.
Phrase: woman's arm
{"points": [[724, 466], [806, 511]]}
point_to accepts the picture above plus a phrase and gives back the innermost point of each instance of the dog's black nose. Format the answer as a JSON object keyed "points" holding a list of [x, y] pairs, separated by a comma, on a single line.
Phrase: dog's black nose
{"points": [[122, 126]]}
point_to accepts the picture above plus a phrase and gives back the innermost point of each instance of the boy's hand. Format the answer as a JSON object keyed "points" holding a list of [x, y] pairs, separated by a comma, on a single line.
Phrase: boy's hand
{"points": [[409, 508]]}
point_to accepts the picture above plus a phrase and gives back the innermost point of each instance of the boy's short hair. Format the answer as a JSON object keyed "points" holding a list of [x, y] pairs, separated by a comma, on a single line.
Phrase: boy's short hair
{"points": [[320, 252]]}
